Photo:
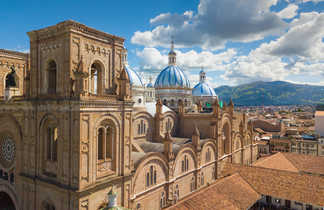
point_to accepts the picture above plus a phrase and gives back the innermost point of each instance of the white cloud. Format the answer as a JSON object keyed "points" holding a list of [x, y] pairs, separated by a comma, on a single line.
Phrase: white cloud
{"points": [[315, 1], [299, 52], [296, 55], [289, 12], [153, 59], [216, 22], [304, 38]]}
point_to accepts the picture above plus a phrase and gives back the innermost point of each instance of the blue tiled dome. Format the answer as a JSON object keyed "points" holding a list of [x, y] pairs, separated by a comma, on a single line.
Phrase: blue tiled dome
{"points": [[203, 89], [135, 79], [172, 77]]}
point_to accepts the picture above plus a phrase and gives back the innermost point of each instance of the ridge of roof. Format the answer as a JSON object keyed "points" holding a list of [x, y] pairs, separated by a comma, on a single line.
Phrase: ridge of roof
{"points": [[277, 161]]}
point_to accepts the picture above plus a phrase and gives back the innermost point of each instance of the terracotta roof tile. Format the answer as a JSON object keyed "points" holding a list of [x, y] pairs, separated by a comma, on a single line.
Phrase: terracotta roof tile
{"points": [[293, 162], [276, 161], [307, 163], [228, 193], [287, 185]]}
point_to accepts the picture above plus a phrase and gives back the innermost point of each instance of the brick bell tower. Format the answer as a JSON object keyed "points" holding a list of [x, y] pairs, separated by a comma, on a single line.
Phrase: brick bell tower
{"points": [[78, 143]]}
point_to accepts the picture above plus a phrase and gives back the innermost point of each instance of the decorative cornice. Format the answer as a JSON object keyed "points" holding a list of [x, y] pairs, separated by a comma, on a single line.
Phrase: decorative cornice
{"points": [[70, 25], [13, 54]]}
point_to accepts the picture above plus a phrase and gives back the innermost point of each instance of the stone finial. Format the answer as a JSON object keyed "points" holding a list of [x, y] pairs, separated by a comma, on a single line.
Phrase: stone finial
{"points": [[224, 105], [231, 103], [241, 127], [215, 107], [158, 106], [168, 146], [196, 131], [231, 107], [180, 107], [196, 137], [124, 75], [79, 75], [244, 117], [216, 102], [124, 83], [199, 105]]}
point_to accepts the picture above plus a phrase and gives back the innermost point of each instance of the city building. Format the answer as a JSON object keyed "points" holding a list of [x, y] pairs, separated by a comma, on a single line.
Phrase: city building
{"points": [[319, 121], [75, 125]]}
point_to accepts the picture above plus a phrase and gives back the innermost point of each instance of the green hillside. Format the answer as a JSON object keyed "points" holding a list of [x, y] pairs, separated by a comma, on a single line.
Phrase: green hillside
{"points": [[271, 93]]}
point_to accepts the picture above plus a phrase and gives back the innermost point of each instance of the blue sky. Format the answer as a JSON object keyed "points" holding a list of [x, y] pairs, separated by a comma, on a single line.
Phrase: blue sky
{"points": [[236, 41]]}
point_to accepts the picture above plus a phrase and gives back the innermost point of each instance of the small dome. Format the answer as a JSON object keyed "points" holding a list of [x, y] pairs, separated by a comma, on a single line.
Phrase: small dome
{"points": [[172, 77], [203, 89], [135, 79]]}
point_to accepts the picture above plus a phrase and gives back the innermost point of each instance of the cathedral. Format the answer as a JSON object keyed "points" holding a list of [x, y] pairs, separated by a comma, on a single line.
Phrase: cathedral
{"points": [[77, 123]]}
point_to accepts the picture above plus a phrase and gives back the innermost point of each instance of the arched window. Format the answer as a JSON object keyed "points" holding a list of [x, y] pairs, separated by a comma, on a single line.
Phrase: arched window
{"points": [[202, 179], [51, 77], [144, 128], [106, 140], [95, 79], [208, 155], [151, 174], [185, 164], [12, 79], [165, 102], [154, 177], [176, 193], [101, 143], [52, 140], [109, 141], [168, 125], [226, 139], [141, 128], [172, 102], [147, 179], [151, 177], [162, 200], [192, 184]]}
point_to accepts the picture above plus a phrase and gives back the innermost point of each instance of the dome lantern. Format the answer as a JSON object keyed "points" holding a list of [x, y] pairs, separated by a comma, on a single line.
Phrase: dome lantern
{"points": [[172, 55]]}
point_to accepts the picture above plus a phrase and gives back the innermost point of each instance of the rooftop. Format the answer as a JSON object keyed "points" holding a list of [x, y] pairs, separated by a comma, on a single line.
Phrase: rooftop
{"points": [[231, 192], [278, 183]]}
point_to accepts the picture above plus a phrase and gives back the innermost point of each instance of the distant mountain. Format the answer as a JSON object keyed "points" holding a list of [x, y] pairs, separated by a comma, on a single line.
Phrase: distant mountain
{"points": [[271, 93]]}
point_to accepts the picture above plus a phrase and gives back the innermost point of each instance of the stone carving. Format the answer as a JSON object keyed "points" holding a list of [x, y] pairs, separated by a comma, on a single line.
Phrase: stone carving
{"points": [[79, 75]]}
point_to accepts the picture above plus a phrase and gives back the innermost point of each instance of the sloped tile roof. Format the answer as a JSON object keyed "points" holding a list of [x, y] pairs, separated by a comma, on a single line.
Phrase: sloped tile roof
{"points": [[228, 193], [294, 162], [304, 188]]}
